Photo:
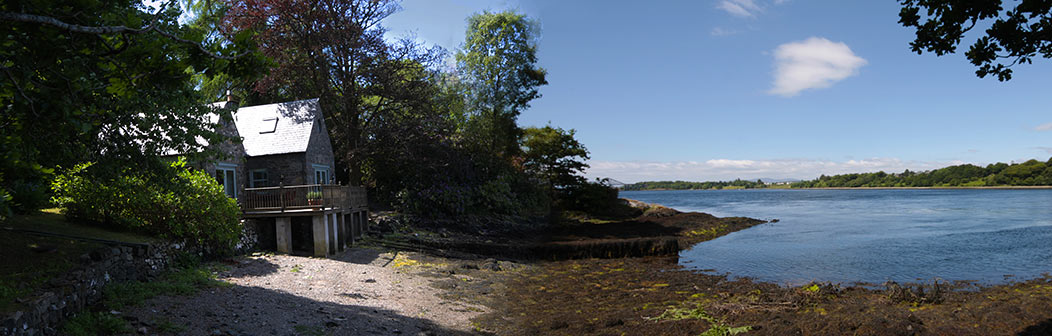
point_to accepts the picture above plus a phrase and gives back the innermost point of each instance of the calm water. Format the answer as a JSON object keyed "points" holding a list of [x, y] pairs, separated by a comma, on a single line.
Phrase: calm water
{"points": [[873, 235]]}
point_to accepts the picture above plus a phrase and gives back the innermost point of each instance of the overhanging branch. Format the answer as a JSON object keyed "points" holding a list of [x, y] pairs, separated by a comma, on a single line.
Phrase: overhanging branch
{"points": [[103, 30]]}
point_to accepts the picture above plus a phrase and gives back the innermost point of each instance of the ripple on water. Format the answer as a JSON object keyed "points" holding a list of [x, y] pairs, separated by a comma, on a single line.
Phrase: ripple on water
{"points": [[874, 235]]}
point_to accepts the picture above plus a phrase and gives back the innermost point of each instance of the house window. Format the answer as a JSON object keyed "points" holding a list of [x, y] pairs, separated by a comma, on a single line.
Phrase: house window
{"points": [[226, 175], [321, 174], [257, 178]]}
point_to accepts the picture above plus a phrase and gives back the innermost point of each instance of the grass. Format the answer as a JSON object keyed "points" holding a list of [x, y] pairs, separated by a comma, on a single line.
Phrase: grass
{"points": [[93, 324], [117, 296], [52, 221], [186, 281], [29, 261]]}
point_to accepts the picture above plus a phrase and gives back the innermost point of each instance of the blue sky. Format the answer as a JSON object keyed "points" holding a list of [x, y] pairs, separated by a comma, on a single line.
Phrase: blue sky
{"points": [[724, 89]]}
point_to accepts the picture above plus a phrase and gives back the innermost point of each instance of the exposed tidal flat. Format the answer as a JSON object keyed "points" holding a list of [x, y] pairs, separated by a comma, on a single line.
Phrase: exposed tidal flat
{"points": [[874, 235]]}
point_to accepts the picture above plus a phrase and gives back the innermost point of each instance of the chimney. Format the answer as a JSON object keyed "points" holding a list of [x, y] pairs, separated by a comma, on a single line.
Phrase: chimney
{"points": [[230, 97]]}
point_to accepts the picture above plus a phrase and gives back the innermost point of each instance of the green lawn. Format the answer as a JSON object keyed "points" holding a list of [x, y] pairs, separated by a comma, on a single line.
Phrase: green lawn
{"points": [[30, 260], [52, 220]]}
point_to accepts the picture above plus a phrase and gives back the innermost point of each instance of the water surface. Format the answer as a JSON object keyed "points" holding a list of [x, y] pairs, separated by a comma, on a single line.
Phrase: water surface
{"points": [[990, 236]]}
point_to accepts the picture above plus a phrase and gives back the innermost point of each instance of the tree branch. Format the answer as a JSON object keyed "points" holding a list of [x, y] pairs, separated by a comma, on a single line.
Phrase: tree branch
{"points": [[103, 30]]}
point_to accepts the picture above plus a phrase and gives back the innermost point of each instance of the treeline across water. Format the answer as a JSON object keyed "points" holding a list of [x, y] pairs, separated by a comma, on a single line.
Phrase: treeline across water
{"points": [[1029, 173], [684, 185]]}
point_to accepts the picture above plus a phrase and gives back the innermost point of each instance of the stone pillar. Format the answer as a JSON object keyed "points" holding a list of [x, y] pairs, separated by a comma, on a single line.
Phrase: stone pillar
{"points": [[357, 225], [343, 229], [283, 231], [334, 237], [321, 235], [365, 221]]}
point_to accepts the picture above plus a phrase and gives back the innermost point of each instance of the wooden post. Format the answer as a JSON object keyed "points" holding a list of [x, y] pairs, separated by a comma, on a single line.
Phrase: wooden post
{"points": [[281, 191]]}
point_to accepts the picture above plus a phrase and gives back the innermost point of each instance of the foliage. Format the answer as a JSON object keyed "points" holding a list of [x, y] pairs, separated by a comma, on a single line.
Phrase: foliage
{"points": [[176, 202], [1028, 173], [555, 156], [94, 324], [498, 62], [1015, 35], [684, 185], [336, 51], [111, 87]]}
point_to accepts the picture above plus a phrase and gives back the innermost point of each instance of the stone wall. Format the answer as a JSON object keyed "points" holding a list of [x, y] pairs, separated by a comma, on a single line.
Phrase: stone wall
{"points": [[69, 294], [319, 149], [65, 296]]}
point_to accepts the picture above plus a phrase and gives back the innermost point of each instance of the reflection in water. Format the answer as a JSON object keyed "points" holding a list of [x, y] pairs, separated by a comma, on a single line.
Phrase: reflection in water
{"points": [[873, 235]]}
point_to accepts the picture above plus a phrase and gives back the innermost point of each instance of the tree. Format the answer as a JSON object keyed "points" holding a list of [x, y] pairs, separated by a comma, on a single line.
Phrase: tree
{"points": [[555, 156], [103, 81], [498, 64], [1015, 36], [336, 51]]}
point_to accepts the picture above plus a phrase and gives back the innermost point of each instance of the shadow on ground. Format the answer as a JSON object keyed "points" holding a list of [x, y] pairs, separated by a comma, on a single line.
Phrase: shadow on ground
{"points": [[1043, 328], [243, 310]]}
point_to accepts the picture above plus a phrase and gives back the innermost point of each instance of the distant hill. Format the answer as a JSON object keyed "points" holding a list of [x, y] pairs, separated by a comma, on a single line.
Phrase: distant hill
{"points": [[1029, 173]]}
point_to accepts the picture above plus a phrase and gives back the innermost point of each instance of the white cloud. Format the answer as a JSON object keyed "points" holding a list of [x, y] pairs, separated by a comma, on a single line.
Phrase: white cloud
{"points": [[1044, 127], [811, 64], [719, 31], [727, 169], [743, 8]]}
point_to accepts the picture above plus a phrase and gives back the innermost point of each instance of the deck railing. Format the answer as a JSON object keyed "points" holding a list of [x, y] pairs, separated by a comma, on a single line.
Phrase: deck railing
{"points": [[303, 197]]}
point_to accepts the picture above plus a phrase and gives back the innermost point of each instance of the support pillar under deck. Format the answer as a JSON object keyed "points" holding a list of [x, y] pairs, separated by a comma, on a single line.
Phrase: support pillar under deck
{"points": [[321, 235], [283, 231]]}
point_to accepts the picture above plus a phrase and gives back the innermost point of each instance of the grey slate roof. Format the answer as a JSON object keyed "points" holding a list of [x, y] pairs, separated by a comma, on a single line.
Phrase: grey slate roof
{"points": [[290, 133]]}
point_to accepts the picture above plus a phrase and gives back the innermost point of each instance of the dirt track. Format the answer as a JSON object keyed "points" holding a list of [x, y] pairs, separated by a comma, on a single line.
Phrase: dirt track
{"points": [[361, 292]]}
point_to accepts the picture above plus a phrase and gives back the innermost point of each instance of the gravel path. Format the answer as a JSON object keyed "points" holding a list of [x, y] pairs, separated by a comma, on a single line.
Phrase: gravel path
{"points": [[360, 292]]}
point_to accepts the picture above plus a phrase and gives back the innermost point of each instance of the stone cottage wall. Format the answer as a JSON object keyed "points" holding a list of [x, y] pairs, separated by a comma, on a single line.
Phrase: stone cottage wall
{"points": [[319, 149], [288, 165]]}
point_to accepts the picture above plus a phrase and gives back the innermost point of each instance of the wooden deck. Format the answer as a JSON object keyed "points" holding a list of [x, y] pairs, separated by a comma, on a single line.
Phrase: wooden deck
{"points": [[301, 200]]}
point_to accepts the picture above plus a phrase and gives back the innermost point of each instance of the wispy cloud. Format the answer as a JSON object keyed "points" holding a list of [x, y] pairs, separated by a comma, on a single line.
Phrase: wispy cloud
{"points": [[1046, 149], [1044, 127], [743, 8], [727, 169], [720, 31], [812, 64]]}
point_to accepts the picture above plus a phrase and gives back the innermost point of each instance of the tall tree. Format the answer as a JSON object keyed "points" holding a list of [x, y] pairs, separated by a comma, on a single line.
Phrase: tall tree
{"points": [[1015, 35], [555, 156], [99, 81], [499, 65], [335, 50]]}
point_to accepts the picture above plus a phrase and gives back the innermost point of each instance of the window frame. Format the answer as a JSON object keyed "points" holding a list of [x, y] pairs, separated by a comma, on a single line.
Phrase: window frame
{"points": [[224, 168]]}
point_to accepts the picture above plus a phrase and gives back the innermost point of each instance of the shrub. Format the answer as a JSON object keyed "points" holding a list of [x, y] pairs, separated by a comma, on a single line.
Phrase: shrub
{"points": [[175, 202]]}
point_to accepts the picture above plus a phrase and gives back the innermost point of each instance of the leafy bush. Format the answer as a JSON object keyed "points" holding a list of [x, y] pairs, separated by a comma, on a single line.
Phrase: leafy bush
{"points": [[596, 199], [175, 202]]}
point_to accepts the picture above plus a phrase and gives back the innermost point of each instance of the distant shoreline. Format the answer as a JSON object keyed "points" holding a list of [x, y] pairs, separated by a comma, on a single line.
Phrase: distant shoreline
{"points": [[862, 188]]}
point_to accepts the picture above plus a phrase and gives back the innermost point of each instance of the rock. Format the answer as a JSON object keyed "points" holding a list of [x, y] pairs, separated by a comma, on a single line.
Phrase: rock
{"points": [[143, 331], [492, 265]]}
